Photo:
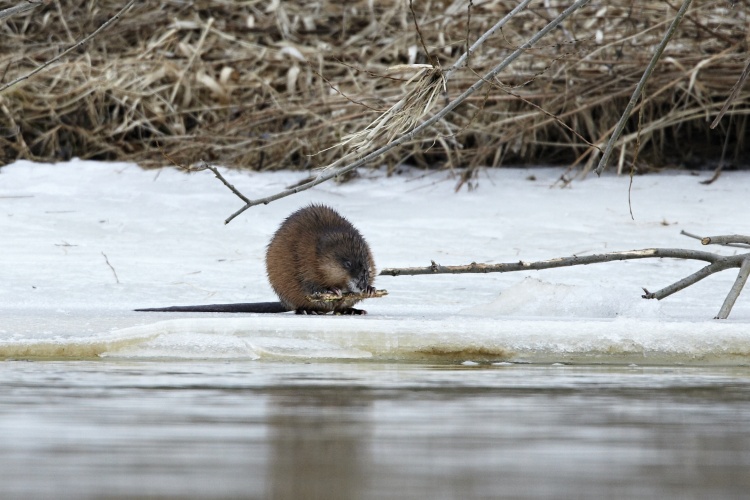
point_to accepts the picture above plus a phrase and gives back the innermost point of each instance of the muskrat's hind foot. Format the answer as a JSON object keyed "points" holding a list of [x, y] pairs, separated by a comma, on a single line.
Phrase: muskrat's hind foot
{"points": [[308, 311], [350, 311]]}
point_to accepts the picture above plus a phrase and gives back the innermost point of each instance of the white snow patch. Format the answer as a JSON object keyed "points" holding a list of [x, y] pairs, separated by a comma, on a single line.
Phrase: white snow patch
{"points": [[533, 297]]}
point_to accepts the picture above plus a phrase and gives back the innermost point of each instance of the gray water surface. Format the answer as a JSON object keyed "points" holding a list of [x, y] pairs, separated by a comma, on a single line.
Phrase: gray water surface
{"points": [[216, 429]]}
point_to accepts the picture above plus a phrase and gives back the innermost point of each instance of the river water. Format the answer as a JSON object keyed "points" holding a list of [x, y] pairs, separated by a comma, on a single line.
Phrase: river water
{"points": [[113, 428]]}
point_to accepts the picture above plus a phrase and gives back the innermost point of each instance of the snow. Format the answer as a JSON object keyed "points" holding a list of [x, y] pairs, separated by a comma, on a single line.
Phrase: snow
{"points": [[163, 233]]}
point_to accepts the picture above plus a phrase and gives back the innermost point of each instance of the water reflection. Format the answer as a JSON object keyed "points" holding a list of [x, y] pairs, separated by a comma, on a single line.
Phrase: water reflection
{"points": [[319, 442], [94, 429]]}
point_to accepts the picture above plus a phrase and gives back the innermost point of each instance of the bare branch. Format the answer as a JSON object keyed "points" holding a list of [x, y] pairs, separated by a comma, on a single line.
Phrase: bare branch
{"points": [[73, 47], [639, 88], [716, 263], [710, 269], [22, 7], [730, 239], [736, 240], [721, 240], [739, 283], [733, 94], [648, 253]]}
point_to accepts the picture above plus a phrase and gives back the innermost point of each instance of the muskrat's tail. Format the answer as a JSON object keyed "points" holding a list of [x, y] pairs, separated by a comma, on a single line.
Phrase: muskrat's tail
{"points": [[250, 307]]}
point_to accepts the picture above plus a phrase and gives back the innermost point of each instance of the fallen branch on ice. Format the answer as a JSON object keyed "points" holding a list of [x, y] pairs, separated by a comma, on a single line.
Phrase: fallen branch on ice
{"points": [[716, 263]]}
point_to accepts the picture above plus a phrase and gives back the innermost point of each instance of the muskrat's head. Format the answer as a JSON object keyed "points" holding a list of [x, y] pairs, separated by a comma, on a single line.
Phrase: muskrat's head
{"points": [[345, 261]]}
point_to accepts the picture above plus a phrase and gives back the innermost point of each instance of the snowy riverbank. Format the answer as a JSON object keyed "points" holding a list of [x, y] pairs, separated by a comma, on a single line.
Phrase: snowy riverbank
{"points": [[87, 242]]}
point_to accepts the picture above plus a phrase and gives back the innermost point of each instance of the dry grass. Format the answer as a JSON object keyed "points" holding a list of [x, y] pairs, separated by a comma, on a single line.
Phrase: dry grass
{"points": [[269, 84]]}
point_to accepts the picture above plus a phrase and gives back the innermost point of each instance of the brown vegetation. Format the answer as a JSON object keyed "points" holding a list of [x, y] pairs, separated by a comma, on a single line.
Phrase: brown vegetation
{"points": [[269, 85]]}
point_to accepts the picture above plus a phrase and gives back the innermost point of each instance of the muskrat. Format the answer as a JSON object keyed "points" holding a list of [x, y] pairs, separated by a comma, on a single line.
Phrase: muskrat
{"points": [[314, 251]]}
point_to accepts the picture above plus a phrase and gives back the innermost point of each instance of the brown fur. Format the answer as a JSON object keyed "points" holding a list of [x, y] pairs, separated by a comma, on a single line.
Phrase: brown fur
{"points": [[316, 250]]}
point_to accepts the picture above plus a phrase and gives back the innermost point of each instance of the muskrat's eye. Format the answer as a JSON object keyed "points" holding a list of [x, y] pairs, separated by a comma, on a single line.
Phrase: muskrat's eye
{"points": [[346, 263]]}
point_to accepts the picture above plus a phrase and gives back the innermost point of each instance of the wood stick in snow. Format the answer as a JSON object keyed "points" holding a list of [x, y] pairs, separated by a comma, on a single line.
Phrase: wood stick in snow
{"points": [[575, 260], [716, 262]]}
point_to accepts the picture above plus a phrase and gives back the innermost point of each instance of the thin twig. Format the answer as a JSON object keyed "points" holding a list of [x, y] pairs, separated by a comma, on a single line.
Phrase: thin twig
{"points": [[112, 268], [732, 95], [691, 235], [206, 166], [73, 47], [502, 22], [424, 125], [720, 167], [637, 149], [639, 88], [419, 35], [368, 72], [499, 86], [739, 283], [338, 91], [468, 32], [215, 170]]}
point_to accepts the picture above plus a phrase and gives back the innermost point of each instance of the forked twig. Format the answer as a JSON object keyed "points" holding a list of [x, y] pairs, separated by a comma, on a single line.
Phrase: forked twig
{"points": [[716, 263], [206, 166]]}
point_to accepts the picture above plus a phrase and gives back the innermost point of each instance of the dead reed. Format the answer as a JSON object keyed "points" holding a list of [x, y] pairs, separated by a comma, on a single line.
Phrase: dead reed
{"points": [[270, 84]]}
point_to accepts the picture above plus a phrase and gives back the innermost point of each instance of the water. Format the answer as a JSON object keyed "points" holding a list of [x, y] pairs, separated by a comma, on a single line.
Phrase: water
{"points": [[113, 428]]}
